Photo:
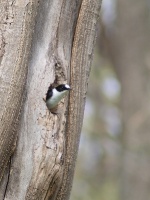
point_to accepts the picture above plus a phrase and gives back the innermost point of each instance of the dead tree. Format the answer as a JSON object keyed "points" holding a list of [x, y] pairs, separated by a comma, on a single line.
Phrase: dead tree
{"points": [[62, 34]]}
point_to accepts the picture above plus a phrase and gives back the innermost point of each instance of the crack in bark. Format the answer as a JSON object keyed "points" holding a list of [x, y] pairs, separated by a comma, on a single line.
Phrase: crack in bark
{"points": [[8, 176], [52, 185]]}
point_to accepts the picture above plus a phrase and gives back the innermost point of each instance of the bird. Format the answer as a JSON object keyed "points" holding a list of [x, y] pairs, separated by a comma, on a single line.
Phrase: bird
{"points": [[54, 96]]}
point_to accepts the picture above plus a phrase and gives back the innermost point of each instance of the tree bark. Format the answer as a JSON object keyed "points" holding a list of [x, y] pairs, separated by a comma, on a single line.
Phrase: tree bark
{"points": [[42, 166], [15, 33]]}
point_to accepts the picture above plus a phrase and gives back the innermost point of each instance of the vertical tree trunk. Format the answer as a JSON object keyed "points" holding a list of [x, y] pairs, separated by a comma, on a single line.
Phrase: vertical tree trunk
{"points": [[42, 166], [15, 33]]}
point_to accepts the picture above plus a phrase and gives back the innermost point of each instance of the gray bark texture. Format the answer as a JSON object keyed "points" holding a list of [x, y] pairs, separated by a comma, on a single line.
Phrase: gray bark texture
{"points": [[46, 145]]}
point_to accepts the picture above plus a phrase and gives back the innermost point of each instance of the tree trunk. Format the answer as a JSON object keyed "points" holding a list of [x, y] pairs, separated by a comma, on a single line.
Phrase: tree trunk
{"points": [[42, 166]]}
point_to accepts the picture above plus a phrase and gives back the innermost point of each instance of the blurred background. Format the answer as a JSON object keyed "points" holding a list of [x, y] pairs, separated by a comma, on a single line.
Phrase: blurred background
{"points": [[114, 155]]}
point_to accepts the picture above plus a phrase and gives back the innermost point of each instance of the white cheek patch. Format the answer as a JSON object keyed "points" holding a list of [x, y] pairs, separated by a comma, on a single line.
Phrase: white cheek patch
{"points": [[67, 86]]}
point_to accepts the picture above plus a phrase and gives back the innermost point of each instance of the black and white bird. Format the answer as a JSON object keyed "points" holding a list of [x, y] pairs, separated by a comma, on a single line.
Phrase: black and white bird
{"points": [[55, 94]]}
